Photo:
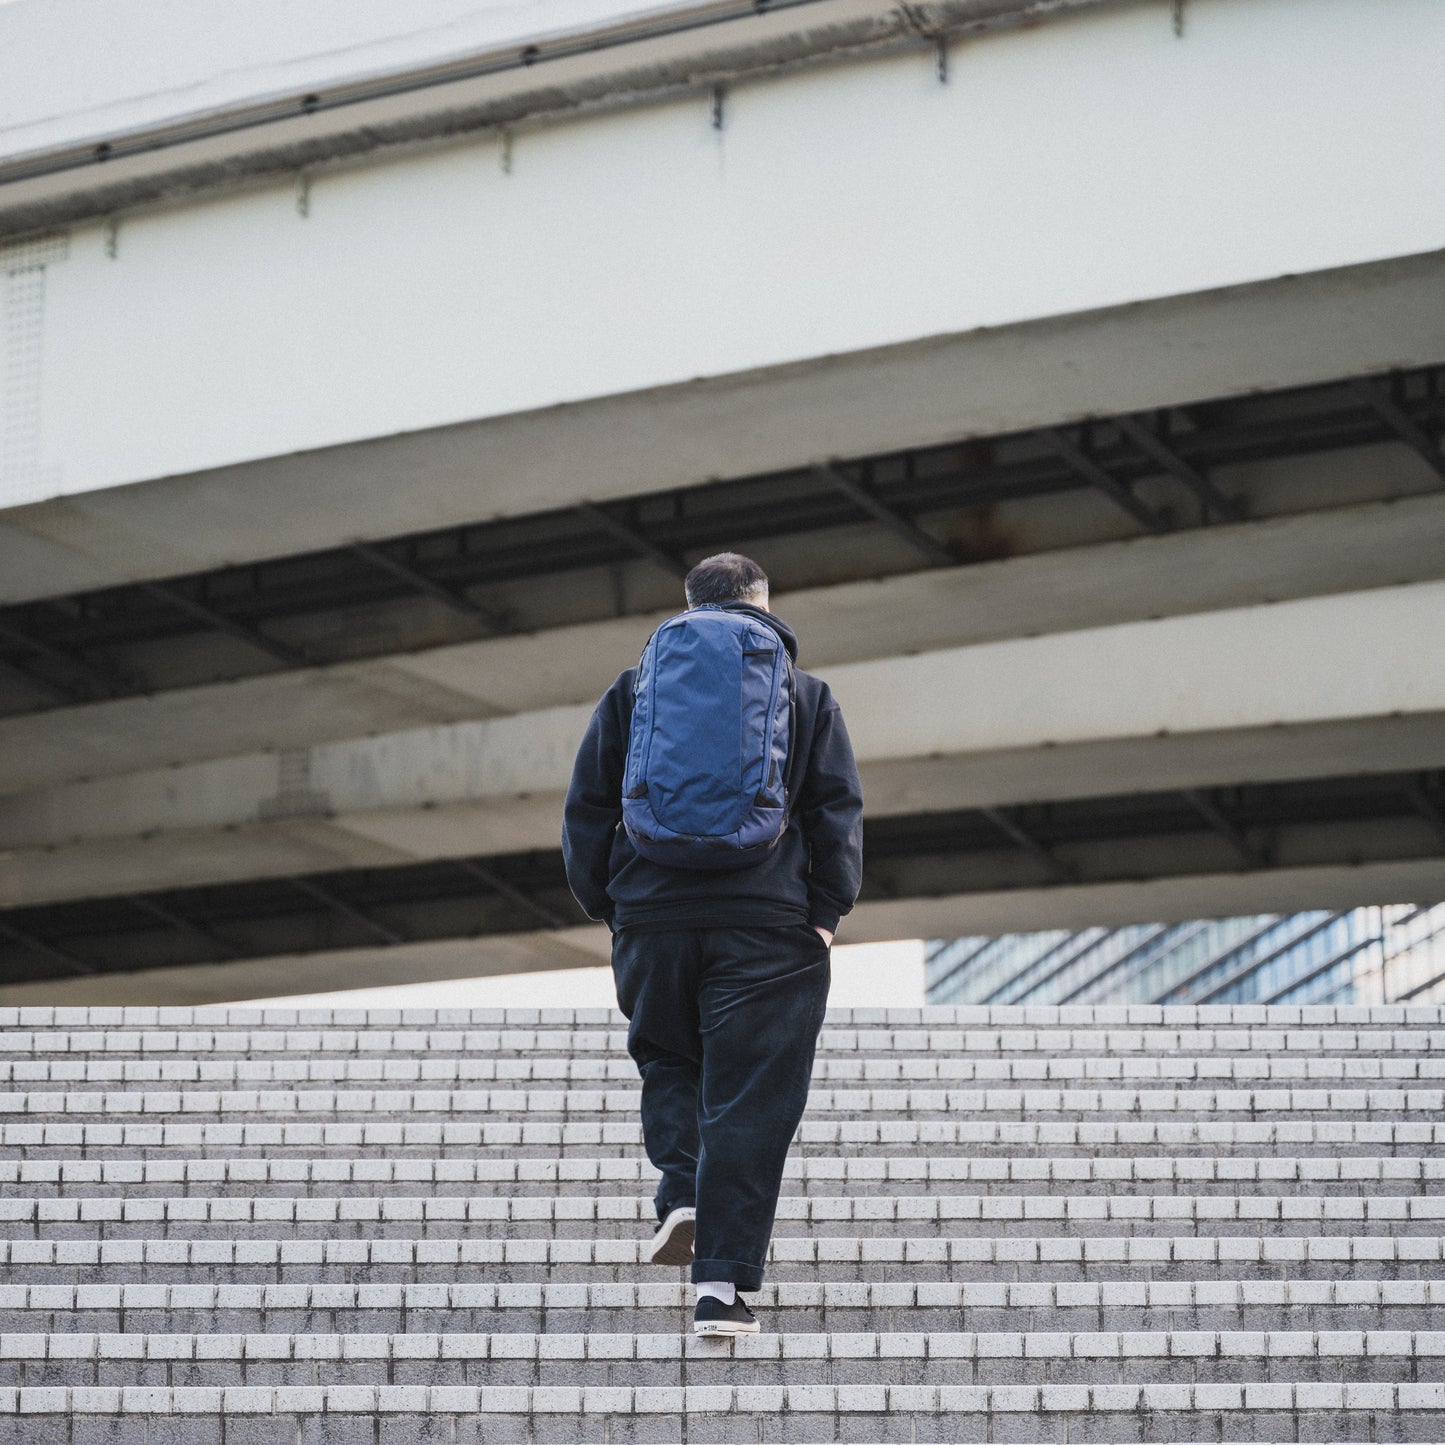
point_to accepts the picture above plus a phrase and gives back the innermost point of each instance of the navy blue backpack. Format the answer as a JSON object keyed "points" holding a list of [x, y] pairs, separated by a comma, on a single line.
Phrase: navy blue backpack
{"points": [[705, 784]]}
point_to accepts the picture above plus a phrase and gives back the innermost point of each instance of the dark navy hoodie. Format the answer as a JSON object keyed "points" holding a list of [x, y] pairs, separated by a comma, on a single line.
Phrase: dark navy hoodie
{"points": [[811, 876]]}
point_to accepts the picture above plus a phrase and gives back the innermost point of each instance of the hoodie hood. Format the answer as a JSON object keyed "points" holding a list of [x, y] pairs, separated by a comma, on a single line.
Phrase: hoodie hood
{"points": [[790, 638]]}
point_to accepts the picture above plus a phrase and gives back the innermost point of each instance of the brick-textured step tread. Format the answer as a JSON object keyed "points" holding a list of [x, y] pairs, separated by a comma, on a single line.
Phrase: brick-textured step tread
{"points": [[551, 1137], [999, 1224], [597, 1045], [1288, 1211], [825, 1399], [518, 1358], [869, 1103], [393, 1071], [674, 1344], [1047, 1016], [1181, 1295], [1356, 1172], [876, 1252]]}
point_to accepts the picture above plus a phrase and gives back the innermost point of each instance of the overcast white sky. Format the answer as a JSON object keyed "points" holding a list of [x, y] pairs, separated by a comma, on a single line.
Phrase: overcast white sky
{"points": [[865, 975]]}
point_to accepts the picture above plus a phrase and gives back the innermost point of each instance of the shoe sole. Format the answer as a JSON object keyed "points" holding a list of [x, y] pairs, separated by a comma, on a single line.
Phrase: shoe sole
{"points": [[725, 1327], [675, 1247]]}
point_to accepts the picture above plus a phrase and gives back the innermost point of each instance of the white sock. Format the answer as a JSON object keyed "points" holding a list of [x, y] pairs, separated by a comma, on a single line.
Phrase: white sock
{"points": [[719, 1289]]}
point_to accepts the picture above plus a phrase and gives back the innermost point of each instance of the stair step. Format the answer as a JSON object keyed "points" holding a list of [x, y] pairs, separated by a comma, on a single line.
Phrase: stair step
{"points": [[834, 1258], [816, 1174], [512, 1045], [1116, 1405], [870, 1104], [931, 1307], [931, 1016], [549, 1138], [1008, 1358], [673, 1293], [621, 1216], [322, 1227], [392, 1070]]}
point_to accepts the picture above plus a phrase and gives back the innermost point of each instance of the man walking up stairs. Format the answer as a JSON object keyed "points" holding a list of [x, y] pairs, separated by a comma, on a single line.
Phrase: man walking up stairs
{"points": [[220, 1227], [715, 822]]}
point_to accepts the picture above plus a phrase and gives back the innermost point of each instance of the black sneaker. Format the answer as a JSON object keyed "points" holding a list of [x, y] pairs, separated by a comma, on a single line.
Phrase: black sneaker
{"points": [[672, 1244], [713, 1317]]}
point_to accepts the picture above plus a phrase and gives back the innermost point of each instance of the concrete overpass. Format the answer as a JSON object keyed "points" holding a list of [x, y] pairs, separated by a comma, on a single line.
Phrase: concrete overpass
{"points": [[363, 405]]}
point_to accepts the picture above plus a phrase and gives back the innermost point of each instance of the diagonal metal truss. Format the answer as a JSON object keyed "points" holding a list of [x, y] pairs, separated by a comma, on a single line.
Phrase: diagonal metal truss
{"points": [[518, 893], [76, 648], [1006, 824], [177, 597], [454, 597], [1119, 492], [633, 537], [1378, 396], [330, 900], [890, 517], [1250, 855], [1155, 446]]}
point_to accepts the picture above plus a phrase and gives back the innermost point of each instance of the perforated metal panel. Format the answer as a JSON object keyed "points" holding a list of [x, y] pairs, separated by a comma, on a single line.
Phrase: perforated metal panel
{"points": [[22, 345], [33, 251]]}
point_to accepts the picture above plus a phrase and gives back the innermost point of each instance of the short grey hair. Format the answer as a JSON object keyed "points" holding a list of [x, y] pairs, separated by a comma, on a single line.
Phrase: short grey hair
{"points": [[727, 577]]}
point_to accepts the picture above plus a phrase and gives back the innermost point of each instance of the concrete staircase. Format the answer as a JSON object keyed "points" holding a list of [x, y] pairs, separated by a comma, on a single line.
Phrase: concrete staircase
{"points": [[219, 1227]]}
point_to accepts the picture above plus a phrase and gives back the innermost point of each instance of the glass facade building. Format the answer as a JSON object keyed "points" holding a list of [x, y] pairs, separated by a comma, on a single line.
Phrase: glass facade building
{"points": [[1394, 954]]}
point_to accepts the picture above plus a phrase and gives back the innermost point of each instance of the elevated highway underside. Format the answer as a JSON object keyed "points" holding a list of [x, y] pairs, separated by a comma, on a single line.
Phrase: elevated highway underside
{"points": [[1126, 557], [1239, 709]]}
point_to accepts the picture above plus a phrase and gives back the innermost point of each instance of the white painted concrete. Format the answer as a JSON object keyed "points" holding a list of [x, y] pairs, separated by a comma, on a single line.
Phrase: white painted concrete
{"points": [[1272, 334], [287, 847], [1216, 697], [1055, 592], [1219, 671]]}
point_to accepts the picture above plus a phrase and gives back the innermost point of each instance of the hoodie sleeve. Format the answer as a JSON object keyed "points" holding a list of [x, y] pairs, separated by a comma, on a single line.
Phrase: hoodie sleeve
{"points": [[832, 814], [594, 805]]}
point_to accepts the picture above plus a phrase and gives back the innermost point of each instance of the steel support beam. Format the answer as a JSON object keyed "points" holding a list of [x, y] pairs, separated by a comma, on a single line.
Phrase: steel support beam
{"points": [[921, 879], [1154, 447], [1207, 809], [59, 693], [26, 940], [342, 908], [911, 533], [288, 596], [1426, 806], [175, 597], [1406, 428], [499, 885], [1025, 840], [100, 678], [168, 916], [632, 537], [454, 598], [1092, 472]]}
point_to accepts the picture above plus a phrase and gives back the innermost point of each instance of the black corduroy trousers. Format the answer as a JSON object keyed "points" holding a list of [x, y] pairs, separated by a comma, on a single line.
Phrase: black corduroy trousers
{"points": [[723, 1025]]}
